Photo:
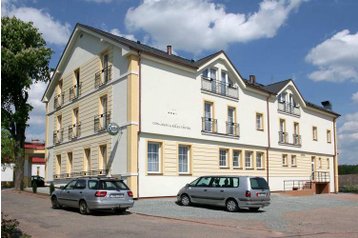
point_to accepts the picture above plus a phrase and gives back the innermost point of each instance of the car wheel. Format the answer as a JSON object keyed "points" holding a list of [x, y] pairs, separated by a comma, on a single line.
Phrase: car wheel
{"points": [[185, 200], [254, 209], [54, 202], [84, 210], [231, 205]]}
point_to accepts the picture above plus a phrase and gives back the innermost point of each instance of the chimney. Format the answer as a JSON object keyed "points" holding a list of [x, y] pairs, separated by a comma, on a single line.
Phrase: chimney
{"points": [[169, 49], [327, 105], [252, 79]]}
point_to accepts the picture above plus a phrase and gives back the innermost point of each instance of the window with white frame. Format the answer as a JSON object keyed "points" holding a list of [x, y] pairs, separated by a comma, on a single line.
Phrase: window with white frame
{"points": [[328, 163], [248, 159], [236, 159], [223, 157], [329, 136], [293, 161], [154, 157], [184, 158], [314, 133], [320, 163], [259, 160], [259, 121], [284, 160]]}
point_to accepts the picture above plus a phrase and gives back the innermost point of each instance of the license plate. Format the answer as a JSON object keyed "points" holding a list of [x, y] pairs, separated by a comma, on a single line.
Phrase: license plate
{"points": [[261, 195], [116, 196]]}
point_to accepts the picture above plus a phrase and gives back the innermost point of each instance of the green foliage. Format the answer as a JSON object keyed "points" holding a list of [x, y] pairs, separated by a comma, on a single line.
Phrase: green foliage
{"points": [[347, 169], [24, 61], [349, 189], [52, 188], [7, 147], [9, 228]]}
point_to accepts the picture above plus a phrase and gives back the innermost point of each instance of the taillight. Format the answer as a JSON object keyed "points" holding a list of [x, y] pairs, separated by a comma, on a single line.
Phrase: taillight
{"points": [[248, 194], [130, 194], [100, 193]]}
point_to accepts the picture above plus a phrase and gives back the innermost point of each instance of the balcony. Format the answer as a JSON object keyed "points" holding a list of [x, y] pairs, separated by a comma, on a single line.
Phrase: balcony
{"points": [[74, 131], [219, 87], [232, 129], [58, 136], [101, 121], [282, 137], [321, 177], [209, 125], [58, 100], [289, 108], [296, 139], [103, 76], [75, 92]]}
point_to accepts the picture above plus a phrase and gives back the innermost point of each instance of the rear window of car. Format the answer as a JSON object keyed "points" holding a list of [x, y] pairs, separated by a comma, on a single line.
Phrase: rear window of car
{"points": [[107, 185], [258, 183]]}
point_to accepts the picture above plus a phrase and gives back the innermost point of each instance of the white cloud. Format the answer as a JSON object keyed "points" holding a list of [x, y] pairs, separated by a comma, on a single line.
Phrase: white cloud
{"points": [[355, 97], [348, 139], [37, 115], [54, 32], [336, 58], [115, 31], [200, 25]]}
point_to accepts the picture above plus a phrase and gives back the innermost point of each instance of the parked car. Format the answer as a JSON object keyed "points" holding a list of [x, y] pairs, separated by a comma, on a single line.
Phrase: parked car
{"points": [[94, 193], [40, 181], [232, 192]]}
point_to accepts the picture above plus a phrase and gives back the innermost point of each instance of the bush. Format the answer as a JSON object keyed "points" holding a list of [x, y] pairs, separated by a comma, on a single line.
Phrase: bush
{"points": [[34, 187], [9, 228], [349, 189], [52, 188]]}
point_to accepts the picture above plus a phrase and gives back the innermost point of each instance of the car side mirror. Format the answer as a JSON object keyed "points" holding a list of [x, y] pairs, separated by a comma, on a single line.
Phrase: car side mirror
{"points": [[62, 187], [187, 185]]}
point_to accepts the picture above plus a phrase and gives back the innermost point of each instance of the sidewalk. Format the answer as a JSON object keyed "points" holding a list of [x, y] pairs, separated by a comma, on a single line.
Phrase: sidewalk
{"points": [[41, 190]]}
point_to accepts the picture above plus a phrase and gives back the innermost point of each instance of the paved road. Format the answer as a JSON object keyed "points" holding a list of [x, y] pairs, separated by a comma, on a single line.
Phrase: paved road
{"points": [[162, 218]]}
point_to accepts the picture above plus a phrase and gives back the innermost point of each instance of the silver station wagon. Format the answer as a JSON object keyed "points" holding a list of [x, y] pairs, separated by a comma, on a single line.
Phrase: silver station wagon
{"points": [[94, 193], [232, 192]]}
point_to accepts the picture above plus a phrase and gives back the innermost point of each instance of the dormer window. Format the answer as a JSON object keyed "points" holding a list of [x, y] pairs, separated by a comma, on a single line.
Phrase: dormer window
{"points": [[287, 104], [219, 83]]}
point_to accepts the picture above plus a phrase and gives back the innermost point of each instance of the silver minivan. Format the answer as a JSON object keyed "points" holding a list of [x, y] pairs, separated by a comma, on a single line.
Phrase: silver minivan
{"points": [[232, 192]]}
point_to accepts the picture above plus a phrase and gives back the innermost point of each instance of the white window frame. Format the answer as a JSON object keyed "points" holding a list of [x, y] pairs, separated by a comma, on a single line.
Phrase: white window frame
{"points": [[155, 155], [236, 159], [260, 157], [184, 159], [284, 160], [223, 158], [248, 159], [259, 121], [293, 161]]}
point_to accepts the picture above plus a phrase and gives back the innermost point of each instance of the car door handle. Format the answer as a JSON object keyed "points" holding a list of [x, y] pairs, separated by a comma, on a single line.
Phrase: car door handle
{"points": [[68, 191], [222, 191], [205, 190], [80, 192]]}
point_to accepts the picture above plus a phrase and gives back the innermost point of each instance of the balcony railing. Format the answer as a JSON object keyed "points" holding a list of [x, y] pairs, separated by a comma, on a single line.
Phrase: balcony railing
{"points": [[75, 91], [320, 176], [289, 108], [101, 121], [66, 175], [58, 100], [209, 125], [219, 87], [297, 139], [282, 137], [74, 131], [103, 76], [232, 129], [58, 136]]}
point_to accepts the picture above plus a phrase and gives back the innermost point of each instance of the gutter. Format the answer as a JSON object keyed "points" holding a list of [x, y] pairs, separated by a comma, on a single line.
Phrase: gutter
{"points": [[139, 114], [335, 164], [268, 140]]}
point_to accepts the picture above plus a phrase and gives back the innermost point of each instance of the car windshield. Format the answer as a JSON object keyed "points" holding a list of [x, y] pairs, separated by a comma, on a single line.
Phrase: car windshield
{"points": [[258, 183], [107, 185]]}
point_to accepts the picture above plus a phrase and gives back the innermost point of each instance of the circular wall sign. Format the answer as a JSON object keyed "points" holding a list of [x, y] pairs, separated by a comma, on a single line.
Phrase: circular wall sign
{"points": [[113, 128]]}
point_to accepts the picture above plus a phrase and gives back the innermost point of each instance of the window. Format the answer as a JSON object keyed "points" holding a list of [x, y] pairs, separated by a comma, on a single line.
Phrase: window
{"points": [[73, 131], [329, 137], [248, 159], [284, 160], [282, 132], [282, 97], [328, 163], [314, 133], [320, 163], [59, 122], [204, 182], [209, 123], [293, 161], [236, 159], [105, 66], [230, 124], [87, 161], [154, 157], [259, 160], [223, 158], [102, 159], [259, 121], [184, 156], [296, 128], [69, 164]]}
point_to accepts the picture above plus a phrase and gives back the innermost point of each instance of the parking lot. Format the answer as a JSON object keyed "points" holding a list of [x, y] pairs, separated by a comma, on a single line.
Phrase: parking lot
{"points": [[330, 215]]}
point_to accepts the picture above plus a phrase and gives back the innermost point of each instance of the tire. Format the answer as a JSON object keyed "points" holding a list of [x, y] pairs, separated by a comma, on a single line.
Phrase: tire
{"points": [[185, 200], [120, 210], [231, 205], [84, 210], [254, 209], [54, 202]]}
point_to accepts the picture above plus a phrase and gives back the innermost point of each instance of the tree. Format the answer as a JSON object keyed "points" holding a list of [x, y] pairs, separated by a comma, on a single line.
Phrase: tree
{"points": [[25, 60], [7, 147]]}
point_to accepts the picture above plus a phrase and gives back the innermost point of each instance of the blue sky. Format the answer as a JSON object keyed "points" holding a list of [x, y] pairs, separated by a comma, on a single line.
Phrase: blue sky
{"points": [[313, 42]]}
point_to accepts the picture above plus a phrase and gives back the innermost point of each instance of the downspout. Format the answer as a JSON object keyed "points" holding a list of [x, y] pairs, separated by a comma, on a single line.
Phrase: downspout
{"points": [[335, 165], [268, 140], [140, 117]]}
